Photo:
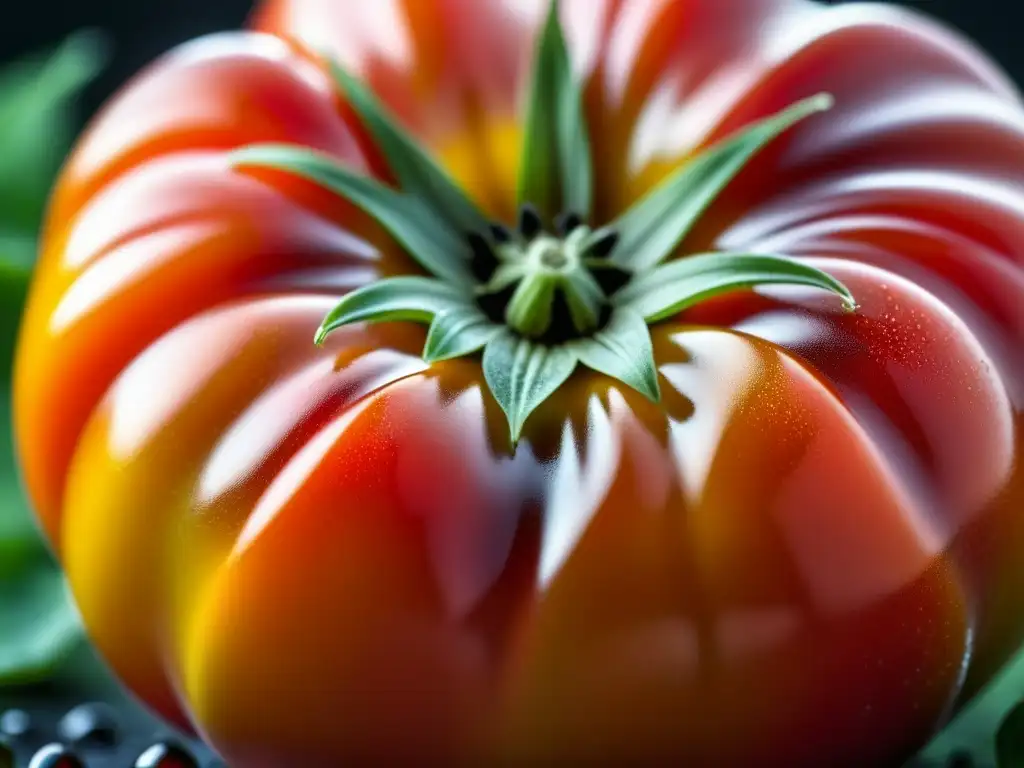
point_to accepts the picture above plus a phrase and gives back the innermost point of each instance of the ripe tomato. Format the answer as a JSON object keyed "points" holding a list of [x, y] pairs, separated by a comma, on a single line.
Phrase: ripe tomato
{"points": [[807, 554]]}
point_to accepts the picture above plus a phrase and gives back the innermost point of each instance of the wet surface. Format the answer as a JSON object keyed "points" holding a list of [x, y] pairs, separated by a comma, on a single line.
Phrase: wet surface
{"points": [[83, 719]]}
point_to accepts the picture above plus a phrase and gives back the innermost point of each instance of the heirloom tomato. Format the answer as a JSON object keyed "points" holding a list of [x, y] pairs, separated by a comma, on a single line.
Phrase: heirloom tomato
{"points": [[507, 381]]}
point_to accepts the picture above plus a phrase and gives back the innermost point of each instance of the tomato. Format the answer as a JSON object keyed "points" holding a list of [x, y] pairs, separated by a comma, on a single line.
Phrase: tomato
{"points": [[807, 553]]}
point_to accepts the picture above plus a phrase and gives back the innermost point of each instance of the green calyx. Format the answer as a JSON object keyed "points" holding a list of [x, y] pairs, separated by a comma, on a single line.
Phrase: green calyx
{"points": [[548, 269], [554, 292], [543, 285]]}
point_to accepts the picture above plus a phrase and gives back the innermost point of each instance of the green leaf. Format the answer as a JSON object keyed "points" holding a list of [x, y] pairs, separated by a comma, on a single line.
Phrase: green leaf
{"points": [[38, 626], [458, 331], [417, 173], [37, 124], [522, 374], [531, 308], [505, 276], [17, 250], [556, 146], [407, 297], [409, 220], [20, 546], [15, 272], [585, 299], [652, 229], [673, 287], [623, 350]]}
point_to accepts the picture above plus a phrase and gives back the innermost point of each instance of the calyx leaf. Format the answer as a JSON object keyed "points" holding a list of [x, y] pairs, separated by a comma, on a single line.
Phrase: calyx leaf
{"points": [[557, 287], [658, 222], [624, 351], [523, 374], [417, 173], [410, 220], [406, 297], [672, 287], [458, 331], [555, 172]]}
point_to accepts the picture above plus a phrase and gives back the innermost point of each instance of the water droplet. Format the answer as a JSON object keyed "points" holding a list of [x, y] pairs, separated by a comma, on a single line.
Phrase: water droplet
{"points": [[15, 723], [166, 755], [55, 756], [90, 725]]}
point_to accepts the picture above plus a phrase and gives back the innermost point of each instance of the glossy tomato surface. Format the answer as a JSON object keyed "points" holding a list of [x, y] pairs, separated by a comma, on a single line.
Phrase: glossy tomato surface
{"points": [[808, 554]]}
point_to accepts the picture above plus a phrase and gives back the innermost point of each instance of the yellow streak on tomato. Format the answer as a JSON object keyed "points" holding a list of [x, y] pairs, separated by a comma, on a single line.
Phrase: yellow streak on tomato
{"points": [[485, 162]]}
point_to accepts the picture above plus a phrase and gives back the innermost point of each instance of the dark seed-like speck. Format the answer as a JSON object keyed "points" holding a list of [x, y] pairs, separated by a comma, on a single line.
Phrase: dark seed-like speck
{"points": [[6, 756], [55, 756], [960, 760], [15, 723], [166, 755], [90, 725]]}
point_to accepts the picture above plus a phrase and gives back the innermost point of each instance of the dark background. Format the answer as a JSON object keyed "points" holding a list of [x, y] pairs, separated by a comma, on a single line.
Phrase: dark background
{"points": [[142, 29]]}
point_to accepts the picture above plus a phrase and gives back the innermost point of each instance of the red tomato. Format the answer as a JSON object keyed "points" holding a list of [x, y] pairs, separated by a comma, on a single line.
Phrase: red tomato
{"points": [[808, 554]]}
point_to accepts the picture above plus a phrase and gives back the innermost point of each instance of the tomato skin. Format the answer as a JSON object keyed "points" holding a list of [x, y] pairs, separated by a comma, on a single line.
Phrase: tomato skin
{"points": [[804, 556]]}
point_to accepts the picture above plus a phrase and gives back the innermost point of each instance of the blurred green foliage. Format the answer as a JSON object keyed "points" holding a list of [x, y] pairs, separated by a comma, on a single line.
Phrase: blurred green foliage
{"points": [[37, 124], [38, 624]]}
